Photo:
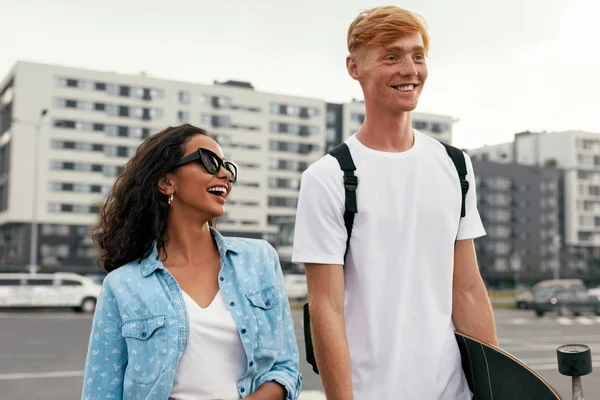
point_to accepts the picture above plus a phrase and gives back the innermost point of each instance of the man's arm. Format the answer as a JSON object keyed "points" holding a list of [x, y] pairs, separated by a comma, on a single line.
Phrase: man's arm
{"points": [[471, 308], [326, 303]]}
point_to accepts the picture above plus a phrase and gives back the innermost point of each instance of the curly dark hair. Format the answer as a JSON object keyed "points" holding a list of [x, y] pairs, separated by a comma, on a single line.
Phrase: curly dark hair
{"points": [[134, 215]]}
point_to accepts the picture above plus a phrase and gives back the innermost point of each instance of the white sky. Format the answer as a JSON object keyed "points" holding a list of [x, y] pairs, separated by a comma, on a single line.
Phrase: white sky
{"points": [[500, 67]]}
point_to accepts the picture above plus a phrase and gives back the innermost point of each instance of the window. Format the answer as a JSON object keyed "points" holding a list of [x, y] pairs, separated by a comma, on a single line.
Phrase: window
{"points": [[284, 183], [124, 91], [184, 97], [55, 229], [221, 121], [123, 131], [248, 165], [247, 184], [122, 151], [360, 118], [100, 86], [68, 282], [10, 282], [183, 116], [62, 123], [331, 134], [420, 125], [123, 111], [331, 117], [205, 118], [41, 282], [55, 251], [290, 202]]}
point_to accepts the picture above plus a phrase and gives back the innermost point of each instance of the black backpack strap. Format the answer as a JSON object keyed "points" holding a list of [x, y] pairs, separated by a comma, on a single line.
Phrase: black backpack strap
{"points": [[342, 154], [458, 158]]}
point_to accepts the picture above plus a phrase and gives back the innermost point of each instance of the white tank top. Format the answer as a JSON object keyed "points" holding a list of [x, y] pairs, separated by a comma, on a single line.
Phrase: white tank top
{"points": [[214, 358]]}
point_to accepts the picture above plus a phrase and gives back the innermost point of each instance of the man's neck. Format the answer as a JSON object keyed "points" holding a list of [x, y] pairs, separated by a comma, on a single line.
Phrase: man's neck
{"points": [[385, 132]]}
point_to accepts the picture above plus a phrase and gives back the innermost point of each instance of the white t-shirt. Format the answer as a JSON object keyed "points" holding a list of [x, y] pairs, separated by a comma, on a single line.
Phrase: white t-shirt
{"points": [[214, 359], [398, 301]]}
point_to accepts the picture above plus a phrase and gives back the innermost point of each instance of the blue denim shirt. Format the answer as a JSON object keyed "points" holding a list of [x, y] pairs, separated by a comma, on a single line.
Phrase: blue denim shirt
{"points": [[140, 328]]}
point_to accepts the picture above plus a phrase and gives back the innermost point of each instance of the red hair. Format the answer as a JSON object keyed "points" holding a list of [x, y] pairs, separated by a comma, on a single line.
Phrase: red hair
{"points": [[383, 25]]}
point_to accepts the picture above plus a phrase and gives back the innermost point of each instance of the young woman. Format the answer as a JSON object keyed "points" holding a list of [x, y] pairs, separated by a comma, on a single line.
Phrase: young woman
{"points": [[186, 313]]}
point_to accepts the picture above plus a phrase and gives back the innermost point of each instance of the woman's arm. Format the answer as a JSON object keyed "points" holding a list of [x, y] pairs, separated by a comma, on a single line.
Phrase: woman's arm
{"points": [[284, 381], [107, 352]]}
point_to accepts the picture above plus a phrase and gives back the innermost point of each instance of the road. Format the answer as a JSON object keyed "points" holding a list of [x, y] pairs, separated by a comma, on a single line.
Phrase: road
{"points": [[42, 353]]}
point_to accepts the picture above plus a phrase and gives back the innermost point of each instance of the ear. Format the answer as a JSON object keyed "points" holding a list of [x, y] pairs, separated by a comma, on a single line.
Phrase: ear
{"points": [[352, 66], [166, 185]]}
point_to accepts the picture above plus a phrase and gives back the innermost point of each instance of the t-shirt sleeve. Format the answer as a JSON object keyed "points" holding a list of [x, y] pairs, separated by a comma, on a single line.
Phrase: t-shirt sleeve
{"points": [[320, 234], [470, 226]]}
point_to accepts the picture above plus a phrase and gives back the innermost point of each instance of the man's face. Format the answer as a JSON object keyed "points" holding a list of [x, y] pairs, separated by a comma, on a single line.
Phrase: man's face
{"points": [[392, 75]]}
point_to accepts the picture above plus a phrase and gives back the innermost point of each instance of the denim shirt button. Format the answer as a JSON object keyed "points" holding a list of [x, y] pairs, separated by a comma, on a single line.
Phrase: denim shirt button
{"points": [[232, 304], [251, 363], [267, 303], [144, 334], [242, 390], [221, 279], [243, 331]]}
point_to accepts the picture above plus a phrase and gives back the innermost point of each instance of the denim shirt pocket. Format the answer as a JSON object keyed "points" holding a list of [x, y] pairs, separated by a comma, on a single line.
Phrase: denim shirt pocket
{"points": [[146, 339], [269, 318]]}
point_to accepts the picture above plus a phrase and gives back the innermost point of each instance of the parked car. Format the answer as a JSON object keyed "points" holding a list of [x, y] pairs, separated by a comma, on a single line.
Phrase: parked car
{"points": [[565, 302], [524, 299], [49, 290], [295, 286], [595, 292]]}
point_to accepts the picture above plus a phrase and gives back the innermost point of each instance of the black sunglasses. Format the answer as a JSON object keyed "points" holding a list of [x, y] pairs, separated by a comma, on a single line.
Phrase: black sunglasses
{"points": [[211, 162]]}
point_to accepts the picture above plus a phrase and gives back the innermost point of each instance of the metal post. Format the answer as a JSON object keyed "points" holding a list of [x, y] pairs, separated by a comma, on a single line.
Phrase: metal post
{"points": [[577, 388], [33, 251], [575, 360]]}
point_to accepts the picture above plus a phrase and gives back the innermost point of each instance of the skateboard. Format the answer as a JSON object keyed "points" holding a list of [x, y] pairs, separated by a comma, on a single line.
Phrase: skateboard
{"points": [[494, 374]]}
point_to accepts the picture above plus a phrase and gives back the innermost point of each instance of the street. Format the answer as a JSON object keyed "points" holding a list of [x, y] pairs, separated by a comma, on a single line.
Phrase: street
{"points": [[42, 353]]}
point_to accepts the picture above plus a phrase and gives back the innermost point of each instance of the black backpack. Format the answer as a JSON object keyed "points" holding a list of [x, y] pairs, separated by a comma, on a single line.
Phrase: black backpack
{"points": [[344, 158]]}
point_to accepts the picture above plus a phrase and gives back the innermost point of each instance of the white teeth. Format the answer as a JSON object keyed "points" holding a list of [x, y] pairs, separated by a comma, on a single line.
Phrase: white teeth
{"points": [[217, 189], [406, 88]]}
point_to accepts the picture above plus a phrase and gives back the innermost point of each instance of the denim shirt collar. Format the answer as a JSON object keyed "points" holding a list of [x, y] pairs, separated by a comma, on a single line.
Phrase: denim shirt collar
{"points": [[152, 262]]}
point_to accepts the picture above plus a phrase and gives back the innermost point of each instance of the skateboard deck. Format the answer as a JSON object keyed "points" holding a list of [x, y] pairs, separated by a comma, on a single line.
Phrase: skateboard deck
{"points": [[494, 374]]}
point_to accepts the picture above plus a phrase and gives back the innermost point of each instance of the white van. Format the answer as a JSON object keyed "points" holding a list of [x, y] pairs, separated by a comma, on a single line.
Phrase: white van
{"points": [[60, 289]]}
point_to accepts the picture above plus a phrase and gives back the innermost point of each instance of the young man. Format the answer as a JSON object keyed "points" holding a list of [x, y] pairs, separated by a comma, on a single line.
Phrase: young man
{"points": [[383, 327]]}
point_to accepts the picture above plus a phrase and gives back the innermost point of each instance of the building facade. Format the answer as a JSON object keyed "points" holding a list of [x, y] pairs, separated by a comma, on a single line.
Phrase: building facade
{"points": [[57, 168], [518, 205], [577, 155]]}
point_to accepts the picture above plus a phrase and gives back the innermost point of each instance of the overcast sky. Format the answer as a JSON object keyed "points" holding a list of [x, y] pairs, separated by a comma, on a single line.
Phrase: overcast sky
{"points": [[500, 67]]}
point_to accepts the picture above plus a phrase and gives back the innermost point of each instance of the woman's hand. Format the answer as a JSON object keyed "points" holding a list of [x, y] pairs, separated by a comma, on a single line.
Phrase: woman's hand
{"points": [[268, 391]]}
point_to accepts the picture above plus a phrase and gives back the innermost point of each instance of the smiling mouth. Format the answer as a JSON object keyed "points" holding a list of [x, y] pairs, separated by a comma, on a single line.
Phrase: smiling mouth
{"points": [[405, 88], [217, 191]]}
